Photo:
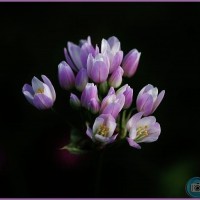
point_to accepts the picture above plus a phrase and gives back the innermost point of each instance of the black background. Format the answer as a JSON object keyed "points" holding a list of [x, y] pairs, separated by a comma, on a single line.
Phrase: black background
{"points": [[32, 37]]}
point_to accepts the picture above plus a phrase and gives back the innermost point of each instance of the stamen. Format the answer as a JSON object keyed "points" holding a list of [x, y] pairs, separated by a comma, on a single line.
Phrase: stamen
{"points": [[142, 132], [103, 130], [40, 90]]}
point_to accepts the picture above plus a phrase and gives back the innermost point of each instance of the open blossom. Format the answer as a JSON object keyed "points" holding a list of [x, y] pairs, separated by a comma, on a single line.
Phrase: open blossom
{"points": [[148, 99], [41, 94], [130, 62], [76, 55], [66, 76], [103, 129], [98, 67], [112, 49], [112, 103], [142, 130]]}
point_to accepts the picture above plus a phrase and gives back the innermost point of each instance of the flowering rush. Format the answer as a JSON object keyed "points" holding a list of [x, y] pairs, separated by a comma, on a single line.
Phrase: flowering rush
{"points": [[94, 78]]}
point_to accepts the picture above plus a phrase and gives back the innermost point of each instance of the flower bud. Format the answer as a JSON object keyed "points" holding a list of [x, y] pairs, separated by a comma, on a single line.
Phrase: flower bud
{"points": [[74, 101], [89, 93], [130, 62], [115, 79], [81, 79], [66, 76], [111, 48], [93, 106], [98, 68], [112, 104]]}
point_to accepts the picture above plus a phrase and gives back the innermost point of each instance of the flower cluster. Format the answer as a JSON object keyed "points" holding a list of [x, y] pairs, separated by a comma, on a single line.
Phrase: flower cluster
{"points": [[94, 78]]}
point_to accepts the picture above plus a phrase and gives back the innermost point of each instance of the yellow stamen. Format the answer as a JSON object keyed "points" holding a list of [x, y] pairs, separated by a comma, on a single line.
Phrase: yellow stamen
{"points": [[142, 132], [40, 90], [103, 130]]}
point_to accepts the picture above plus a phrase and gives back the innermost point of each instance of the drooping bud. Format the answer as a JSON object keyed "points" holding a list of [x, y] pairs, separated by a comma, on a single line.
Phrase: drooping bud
{"points": [[74, 101]]}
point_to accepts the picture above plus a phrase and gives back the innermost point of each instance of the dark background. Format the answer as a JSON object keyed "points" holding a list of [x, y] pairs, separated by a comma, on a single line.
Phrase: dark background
{"points": [[32, 37]]}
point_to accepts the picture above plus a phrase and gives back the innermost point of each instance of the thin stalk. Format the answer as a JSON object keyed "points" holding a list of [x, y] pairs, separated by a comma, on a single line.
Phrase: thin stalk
{"points": [[98, 174]]}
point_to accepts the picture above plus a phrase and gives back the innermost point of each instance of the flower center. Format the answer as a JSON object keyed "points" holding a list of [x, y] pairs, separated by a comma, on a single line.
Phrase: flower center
{"points": [[103, 130], [40, 90], [142, 132]]}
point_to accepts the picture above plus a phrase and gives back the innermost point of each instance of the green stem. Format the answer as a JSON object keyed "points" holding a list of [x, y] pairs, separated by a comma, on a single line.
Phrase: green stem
{"points": [[98, 174], [130, 113], [123, 125]]}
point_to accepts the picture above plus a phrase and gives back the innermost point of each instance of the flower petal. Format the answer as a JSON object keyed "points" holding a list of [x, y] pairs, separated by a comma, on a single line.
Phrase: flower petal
{"points": [[146, 121], [86, 49], [133, 120], [148, 87], [111, 124], [106, 101], [93, 105], [28, 88], [101, 138], [74, 101], [130, 62], [158, 100], [112, 109], [145, 89], [133, 133], [122, 89], [74, 51], [115, 79], [37, 84], [116, 61], [132, 143], [66, 76], [28, 96], [105, 140], [90, 62], [141, 100], [81, 79], [42, 102], [47, 92], [99, 72], [69, 61], [98, 122], [113, 42], [49, 84], [104, 46], [89, 132], [148, 106], [112, 139]]}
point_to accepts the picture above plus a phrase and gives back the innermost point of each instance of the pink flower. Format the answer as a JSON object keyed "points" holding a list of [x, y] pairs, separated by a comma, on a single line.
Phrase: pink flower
{"points": [[142, 130], [41, 94], [103, 129], [148, 99]]}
